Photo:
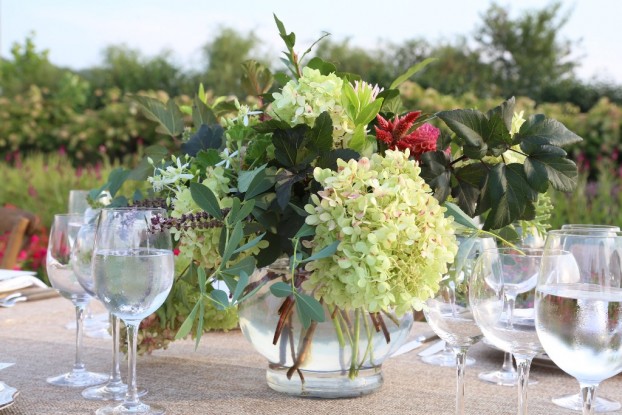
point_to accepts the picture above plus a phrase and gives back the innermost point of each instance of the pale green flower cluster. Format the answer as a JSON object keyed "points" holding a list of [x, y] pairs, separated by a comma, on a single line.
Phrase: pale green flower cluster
{"points": [[395, 241], [302, 101]]}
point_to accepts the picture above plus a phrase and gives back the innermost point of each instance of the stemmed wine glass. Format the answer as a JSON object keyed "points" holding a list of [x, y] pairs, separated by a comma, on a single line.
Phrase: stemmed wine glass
{"points": [[133, 270], [62, 277], [449, 313], [498, 277], [574, 401], [445, 357], [81, 255], [579, 309]]}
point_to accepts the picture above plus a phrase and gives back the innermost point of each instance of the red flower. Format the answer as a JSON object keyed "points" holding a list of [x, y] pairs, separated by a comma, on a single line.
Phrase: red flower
{"points": [[394, 134]]}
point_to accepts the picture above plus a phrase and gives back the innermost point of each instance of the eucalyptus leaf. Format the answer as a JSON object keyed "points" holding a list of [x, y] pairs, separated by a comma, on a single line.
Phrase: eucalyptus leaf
{"points": [[305, 230], [325, 252], [239, 288], [250, 244], [234, 240], [310, 307], [220, 299], [459, 216], [186, 326], [245, 177], [202, 277]]}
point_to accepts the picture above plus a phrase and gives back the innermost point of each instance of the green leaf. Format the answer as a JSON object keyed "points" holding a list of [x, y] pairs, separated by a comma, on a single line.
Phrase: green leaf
{"points": [[435, 170], [281, 289], [305, 230], [205, 198], [297, 209], [469, 125], [186, 326], [320, 137], [239, 288], [288, 145], [410, 72], [467, 196], [509, 192], [329, 161], [201, 113], [247, 208], [246, 264], [116, 179], [368, 113], [202, 279], [246, 177], [325, 252], [505, 111], [249, 244], [144, 169], [220, 299], [541, 130], [309, 309], [325, 68], [207, 158], [256, 79], [459, 216], [260, 183], [285, 180], [167, 115], [234, 240]]}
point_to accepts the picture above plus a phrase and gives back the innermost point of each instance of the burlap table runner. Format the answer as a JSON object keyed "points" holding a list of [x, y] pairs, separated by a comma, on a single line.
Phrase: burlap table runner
{"points": [[226, 376]]}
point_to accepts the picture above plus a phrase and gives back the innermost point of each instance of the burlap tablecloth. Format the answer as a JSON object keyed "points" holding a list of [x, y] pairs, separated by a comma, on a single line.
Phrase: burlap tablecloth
{"points": [[226, 376]]}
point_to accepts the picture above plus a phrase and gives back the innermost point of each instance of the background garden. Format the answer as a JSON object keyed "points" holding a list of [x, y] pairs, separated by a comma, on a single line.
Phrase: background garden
{"points": [[62, 129]]}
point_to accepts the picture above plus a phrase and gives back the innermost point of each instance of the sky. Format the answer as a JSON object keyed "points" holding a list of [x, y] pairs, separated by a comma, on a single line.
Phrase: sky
{"points": [[76, 31]]}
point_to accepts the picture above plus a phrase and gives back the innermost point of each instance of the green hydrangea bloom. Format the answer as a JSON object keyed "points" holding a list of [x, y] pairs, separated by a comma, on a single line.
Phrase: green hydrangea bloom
{"points": [[395, 241], [302, 101]]}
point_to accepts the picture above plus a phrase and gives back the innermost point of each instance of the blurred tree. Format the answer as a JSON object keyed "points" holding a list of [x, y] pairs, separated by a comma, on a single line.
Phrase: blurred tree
{"points": [[27, 67], [130, 71], [224, 56], [526, 54], [374, 65]]}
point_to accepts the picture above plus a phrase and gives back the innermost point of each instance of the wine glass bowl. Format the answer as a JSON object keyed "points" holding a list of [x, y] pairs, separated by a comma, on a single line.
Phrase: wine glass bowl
{"points": [[133, 271], [449, 313], [499, 276], [63, 278], [579, 308]]}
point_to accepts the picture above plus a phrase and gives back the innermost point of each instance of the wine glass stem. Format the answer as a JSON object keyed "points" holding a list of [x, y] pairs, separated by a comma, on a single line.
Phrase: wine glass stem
{"points": [[587, 394], [461, 355], [115, 375], [131, 397], [508, 364], [523, 366], [79, 365]]}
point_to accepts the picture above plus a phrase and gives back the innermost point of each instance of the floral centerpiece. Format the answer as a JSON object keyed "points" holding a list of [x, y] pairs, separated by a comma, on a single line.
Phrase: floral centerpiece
{"points": [[357, 197]]}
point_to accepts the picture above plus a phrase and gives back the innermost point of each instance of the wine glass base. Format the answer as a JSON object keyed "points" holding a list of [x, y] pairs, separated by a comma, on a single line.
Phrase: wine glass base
{"points": [[111, 391], [445, 359], [575, 403], [78, 379], [140, 409], [502, 378]]}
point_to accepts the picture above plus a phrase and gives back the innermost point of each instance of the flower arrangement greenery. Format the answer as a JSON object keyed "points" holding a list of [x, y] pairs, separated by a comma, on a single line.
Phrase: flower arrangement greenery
{"points": [[360, 194]]}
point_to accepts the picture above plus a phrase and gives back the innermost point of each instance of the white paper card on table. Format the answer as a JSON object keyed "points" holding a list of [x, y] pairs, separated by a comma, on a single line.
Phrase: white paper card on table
{"points": [[6, 274], [17, 283]]}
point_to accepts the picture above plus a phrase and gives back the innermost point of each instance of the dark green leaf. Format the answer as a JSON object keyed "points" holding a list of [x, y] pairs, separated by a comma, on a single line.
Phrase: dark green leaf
{"points": [[467, 196], [537, 175], [510, 192], [167, 115], [505, 111], [561, 172], [285, 180], [541, 130], [281, 289], [470, 126], [472, 174], [320, 137], [271, 126], [208, 136], [325, 252], [288, 145], [220, 299], [435, 171], [329, 161], [246, 210], [205, 198], [282, 78]]}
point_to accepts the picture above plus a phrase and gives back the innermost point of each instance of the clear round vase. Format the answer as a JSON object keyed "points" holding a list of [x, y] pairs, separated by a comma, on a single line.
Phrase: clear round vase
{"points": [[339, 358]]}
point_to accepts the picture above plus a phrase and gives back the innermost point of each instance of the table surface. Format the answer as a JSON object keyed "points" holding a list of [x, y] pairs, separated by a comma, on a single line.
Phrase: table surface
{"points": [[226, 376]]}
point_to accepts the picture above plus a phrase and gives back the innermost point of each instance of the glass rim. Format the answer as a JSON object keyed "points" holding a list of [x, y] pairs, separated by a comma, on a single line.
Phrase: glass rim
{"points": [[130, 208], [586, 233], [544, 252], [587, 226]]}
